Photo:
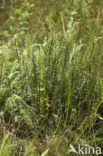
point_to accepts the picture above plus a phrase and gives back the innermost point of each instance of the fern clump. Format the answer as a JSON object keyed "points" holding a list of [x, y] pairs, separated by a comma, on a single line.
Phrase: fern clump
{"points": [[51, 77]]}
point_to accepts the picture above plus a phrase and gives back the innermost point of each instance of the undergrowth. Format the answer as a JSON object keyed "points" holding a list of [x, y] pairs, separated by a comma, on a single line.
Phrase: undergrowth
{"points": [[51, 92]]}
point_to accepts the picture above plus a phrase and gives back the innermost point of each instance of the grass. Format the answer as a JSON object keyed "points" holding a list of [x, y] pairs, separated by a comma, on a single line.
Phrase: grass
{"points": [[51, 85]]}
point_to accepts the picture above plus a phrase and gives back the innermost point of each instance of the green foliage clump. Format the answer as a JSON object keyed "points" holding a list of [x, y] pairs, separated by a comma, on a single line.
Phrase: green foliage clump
{"points": [[51, 85]]}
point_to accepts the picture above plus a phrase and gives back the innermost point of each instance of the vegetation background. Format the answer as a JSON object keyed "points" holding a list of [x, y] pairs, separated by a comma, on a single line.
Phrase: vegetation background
{"points": [[51, 76]]}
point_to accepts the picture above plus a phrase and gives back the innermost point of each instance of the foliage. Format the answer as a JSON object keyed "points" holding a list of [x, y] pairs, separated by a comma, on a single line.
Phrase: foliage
{"points": [[51, 85]]}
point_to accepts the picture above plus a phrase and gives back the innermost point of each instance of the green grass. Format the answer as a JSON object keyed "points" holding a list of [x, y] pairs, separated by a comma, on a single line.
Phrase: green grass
{"points": [[51, 82]]}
